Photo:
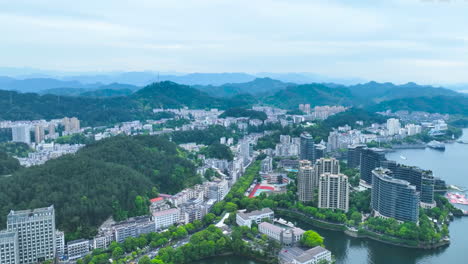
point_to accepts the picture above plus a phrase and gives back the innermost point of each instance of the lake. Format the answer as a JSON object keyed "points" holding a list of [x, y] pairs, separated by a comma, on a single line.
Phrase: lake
{"points": [[450, 165]]}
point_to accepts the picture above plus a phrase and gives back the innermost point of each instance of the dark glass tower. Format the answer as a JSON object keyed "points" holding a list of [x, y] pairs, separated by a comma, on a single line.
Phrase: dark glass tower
{"points": [[307, 150], [354, 156], [394, 198], [371, 158]]}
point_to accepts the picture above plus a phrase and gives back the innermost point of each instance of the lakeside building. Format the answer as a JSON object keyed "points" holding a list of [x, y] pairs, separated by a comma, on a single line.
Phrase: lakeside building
{"points": [[394, 198], [286, 236], [296, 255], [257, 216], [305, 181], [423, 180], [371, 158], [333, 191], [36, 234], [9, 250]]}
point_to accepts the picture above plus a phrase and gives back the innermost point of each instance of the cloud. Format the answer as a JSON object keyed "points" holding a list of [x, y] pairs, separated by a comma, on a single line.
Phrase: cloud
{"points": [[370, 39]]}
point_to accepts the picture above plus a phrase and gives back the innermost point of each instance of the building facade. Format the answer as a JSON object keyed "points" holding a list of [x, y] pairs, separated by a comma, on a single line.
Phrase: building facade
{"points": [[305, 182], [307, 147], [9, 251], [36, 233], [333, 191], [166, 218], [394, 198]]}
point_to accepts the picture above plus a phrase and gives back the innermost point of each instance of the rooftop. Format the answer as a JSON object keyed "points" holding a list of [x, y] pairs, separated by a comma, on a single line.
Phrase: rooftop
{"points": [[246, 216], [166, 212]]}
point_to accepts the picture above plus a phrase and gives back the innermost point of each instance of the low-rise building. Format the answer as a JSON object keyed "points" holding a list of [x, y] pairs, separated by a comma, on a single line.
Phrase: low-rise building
{"points": [[246, 219], [286, 236], [77, 249], [166, 218], [133, 227], [295, 255]]}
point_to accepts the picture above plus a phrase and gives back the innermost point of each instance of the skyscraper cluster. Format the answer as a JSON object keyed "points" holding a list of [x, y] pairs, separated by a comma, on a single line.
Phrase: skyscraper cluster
{"points": [[397, 190]]}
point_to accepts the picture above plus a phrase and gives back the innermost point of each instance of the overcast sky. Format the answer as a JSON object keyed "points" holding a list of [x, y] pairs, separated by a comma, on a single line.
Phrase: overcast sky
{"points": [[395, 40]]}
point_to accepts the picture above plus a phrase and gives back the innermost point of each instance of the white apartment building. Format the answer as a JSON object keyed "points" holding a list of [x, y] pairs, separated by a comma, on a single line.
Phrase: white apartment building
{"points": [[21, 133], [325, 165], [9, 247], [36, 233], [246, 219], [333, 191], [286, 236], [166, 218], [393, 126], [77, 249], [305, 182]]}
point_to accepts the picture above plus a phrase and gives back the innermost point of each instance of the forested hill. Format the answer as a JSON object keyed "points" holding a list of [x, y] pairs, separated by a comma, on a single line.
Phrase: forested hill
{"points": [[115, 176], [98, 111], [438, 104]]}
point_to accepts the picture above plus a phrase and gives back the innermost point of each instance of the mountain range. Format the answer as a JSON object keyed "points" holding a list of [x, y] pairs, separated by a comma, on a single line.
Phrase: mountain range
{"points": [[98, 103]]}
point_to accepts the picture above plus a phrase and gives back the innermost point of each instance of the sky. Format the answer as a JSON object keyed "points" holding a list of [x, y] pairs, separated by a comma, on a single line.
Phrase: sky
{"points": [[424, 41]]}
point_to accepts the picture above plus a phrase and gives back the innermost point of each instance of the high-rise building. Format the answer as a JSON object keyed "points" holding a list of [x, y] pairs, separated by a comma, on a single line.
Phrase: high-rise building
{"points": [[9, 247], [305, 182], [324, 165], [393, 198], [74, 124], [371, 158], [354, 156], [39, 133], [333, 143], [267, 165], [51, 129], [422, 180], [333, 191], [393, 126], [36, 233], [21, 133], [307, 148]]}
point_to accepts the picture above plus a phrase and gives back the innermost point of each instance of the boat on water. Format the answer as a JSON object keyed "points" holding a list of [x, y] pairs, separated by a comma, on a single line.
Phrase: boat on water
{"points": [[457, 198], [403, 157], [462, 141], [436, 145]]}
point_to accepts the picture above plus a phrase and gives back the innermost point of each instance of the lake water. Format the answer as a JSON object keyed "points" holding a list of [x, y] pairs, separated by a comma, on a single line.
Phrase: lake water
{"points": [[450, 165]]}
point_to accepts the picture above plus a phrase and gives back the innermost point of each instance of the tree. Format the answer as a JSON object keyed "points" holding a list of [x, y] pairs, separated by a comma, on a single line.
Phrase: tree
{"points": [[117, 253], [144, 260], [311, 239], [230, 207]]}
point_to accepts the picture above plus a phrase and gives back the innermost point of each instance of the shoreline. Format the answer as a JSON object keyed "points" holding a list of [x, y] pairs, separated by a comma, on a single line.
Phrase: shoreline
{"points": [[366, 234]]}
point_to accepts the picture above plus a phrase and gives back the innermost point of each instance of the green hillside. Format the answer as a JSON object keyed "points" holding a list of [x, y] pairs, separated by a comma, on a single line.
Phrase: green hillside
{"points": [[102, 179]]}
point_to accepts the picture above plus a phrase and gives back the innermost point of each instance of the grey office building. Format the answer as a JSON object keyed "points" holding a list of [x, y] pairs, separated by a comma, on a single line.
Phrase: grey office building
{"points": [[354, 156], [8, 247], [394, 198], [36, 233]]}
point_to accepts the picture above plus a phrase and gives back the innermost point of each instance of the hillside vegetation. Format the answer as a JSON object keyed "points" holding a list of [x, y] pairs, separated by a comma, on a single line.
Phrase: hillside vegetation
{"points": [[115, 176]]}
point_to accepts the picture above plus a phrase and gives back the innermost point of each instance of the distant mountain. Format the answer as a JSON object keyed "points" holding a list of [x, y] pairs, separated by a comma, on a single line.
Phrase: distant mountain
{"points": [[306, 77], [436, 104], [314, 94], [97, 111], [40, 84], [259, 86], [379, 92], [209, 78]]}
